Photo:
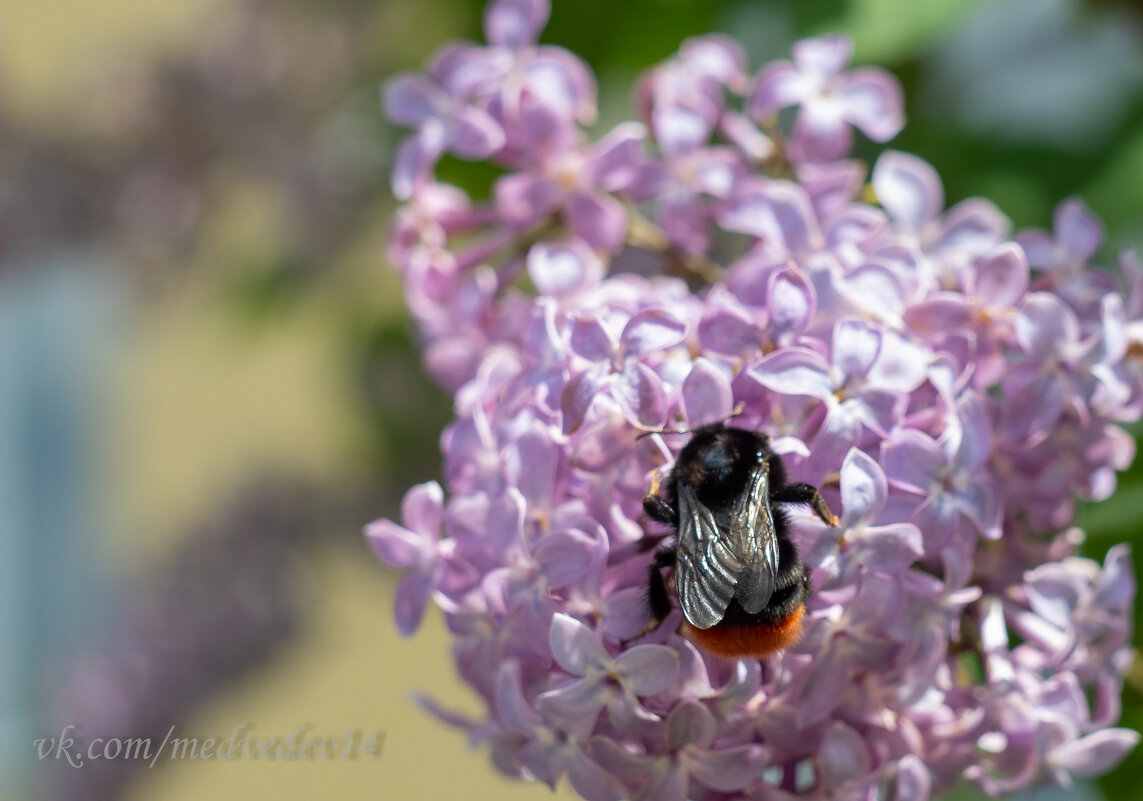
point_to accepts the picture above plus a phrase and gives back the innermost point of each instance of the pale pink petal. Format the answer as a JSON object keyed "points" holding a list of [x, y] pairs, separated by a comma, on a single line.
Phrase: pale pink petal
{"points": [[908, 188]]}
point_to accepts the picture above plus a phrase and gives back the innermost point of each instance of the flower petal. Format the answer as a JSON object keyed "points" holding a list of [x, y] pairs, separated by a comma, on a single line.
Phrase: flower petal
{"points": [[889, 549], [411, 598], [649, 331], [825, 686], [1078, 231], [863, 488], [669, 783], [515, 23], [600, 220], [591, 340], [475, 134], [820, 133], [560, 269], [647, 669], [411, 100], [856, 345], [795, 371], [565, 556], [727, 769], [876, 409], [592, 782], [908, 188], [940, 313], [512, 707], [729, 331], [396, 545], [779, 84], [578, 702], [641, 395], [1046, 327], [873, 102], [1117, 579], [844, 755], [523, 199], [505, 522], [1002, 277], [422, 509], [913, 781], [614, 162], [679, 129], [824, 56], [794, 216], [791, 301], [414, 161], [902, 365], [690, 723], [534, 463], [575, 646], [912, 460], [578, 396], [1095, 753], [876, 291], [706, 395], [626, 614]]}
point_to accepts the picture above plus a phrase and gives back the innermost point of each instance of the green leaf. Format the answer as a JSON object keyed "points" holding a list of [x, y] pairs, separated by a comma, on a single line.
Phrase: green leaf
{"points": [[1114, 190]]}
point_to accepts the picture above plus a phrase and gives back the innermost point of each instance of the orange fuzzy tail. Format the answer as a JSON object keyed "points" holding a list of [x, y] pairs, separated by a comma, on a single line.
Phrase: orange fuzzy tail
{"points": [[755, 639]]}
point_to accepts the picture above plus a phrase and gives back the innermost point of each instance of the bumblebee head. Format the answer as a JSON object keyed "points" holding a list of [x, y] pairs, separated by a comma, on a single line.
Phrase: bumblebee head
{"points": [[717, 462]]}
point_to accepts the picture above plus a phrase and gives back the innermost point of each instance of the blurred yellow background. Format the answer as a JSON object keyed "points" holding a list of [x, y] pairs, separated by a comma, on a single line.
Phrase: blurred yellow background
{"points": [[197, 401]]}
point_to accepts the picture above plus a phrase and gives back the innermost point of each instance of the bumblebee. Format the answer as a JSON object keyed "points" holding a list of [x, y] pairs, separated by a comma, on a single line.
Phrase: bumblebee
{"points": [[737, 576]]}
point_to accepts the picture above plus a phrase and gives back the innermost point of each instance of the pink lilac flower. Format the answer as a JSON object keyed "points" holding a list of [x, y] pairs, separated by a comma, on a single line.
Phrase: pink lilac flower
{"points": [[930, 246], [579, 182], [950, 392], [1077, 237], [688, 735], [418, 549], [684, 103], [535, 92], [830, 101], [444, 124], [1063, 255], [882, 549]]}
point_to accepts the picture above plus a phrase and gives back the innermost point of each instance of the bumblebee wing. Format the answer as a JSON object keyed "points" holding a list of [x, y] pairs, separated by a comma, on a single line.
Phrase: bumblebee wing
{"points": [[707, 568], [752, 537]]}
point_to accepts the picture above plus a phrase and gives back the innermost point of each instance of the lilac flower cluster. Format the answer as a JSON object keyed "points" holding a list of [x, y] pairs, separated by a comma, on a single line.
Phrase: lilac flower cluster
{"points": [[953, 389]]}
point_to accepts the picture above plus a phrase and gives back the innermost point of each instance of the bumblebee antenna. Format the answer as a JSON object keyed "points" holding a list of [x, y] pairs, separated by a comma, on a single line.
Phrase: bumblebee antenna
{"points": [[739, 408], [648, 432]]}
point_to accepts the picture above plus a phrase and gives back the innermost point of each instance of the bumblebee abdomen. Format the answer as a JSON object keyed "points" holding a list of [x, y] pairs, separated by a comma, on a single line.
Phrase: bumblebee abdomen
{"points": [[758, 638]]}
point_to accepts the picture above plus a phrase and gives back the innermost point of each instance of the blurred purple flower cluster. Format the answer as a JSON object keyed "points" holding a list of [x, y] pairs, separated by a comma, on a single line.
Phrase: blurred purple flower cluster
{"points": [[953, 389], [225, 602]]}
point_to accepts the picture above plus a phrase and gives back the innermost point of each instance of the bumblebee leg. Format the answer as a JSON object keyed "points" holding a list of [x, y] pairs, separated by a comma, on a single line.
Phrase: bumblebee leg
{"points": [[808, 494], [657, 598], [658, 509], [657, 588]]}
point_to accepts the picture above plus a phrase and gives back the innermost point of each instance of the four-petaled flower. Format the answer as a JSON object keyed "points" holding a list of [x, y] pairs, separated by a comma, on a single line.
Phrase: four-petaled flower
{"points": [[829, 99]]}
